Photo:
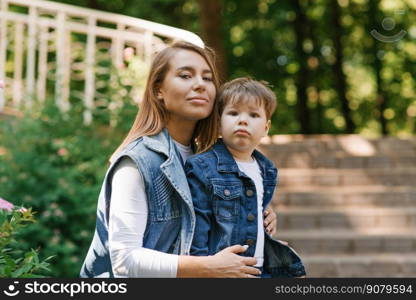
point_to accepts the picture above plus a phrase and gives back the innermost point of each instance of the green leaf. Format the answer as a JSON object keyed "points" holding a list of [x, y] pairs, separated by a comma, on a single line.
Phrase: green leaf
{"points": [[22, 270]]}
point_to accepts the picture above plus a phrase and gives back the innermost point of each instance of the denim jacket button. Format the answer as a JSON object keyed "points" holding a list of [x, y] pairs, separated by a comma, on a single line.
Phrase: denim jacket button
{"points": [[250, 217], [250, 242], [227, 192], [249, 193]]}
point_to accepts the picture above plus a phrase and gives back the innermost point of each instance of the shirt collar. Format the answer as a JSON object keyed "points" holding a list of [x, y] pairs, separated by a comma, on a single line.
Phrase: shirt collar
{"points": [[226, 162]]}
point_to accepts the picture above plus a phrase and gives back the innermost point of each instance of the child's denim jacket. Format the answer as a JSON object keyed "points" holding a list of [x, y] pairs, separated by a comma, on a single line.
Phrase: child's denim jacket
{"points": [[225, 203]]}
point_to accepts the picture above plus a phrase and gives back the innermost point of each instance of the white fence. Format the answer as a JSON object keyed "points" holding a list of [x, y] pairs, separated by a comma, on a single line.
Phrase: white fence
{"points": [[36, 40]]}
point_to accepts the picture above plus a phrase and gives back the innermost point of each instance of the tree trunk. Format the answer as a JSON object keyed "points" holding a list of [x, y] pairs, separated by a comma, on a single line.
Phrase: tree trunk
{"points": [[316, 75], [210, 15], [340, 80], [381, 101], [303, 73]]}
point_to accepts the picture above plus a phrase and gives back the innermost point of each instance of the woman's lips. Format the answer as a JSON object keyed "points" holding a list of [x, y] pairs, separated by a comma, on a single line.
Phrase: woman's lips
{"points": [[198, 100]]}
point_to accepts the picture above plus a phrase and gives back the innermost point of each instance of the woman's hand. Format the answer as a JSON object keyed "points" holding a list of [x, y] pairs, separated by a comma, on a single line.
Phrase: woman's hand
{"points": [[270, 221], [226, 264]]}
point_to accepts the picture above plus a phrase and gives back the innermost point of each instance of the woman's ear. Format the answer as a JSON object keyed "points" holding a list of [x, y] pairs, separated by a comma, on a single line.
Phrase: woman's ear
{"points": [[158, 90]]}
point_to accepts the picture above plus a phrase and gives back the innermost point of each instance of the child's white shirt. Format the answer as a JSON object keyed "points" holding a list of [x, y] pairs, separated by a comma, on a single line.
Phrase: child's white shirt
{"points": [[252, 170]]}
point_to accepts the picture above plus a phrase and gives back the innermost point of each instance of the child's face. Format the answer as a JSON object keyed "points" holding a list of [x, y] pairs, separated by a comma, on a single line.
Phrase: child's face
{"points": [[243, 125]]}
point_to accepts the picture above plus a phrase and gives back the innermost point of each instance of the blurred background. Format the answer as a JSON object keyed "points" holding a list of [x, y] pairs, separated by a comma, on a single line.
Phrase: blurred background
{"points": [[330, 74], [344, 75]]}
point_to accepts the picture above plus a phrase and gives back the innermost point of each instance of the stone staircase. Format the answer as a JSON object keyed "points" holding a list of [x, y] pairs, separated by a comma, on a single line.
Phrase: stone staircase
{"points": [[347, 204]]}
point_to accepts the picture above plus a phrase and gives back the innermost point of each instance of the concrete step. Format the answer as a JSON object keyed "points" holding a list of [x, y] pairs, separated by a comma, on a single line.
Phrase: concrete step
{"points": [[344, 177], [354, 218], [352, 145], [342, 151], [349, 242], [283, 159], [347, 196], [368, 265]]}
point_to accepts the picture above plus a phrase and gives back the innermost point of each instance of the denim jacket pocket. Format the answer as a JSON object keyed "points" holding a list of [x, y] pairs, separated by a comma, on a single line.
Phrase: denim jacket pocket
{"points": [[167, 204], [226, 197]]}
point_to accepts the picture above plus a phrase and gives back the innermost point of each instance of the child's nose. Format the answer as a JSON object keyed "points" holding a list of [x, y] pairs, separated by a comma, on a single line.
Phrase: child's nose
{"points": [[242, 119]]}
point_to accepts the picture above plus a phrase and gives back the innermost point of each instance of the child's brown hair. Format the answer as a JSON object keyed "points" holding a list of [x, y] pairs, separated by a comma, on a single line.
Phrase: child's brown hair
{"points": [[244, 89]]}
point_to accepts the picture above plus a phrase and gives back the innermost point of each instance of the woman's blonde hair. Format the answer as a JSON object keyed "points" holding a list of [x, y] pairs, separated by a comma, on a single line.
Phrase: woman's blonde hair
{"points": [[152, 116]]}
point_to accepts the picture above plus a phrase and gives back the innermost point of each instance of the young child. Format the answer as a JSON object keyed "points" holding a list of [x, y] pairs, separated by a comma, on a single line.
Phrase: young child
{"points": [[232, 183]]}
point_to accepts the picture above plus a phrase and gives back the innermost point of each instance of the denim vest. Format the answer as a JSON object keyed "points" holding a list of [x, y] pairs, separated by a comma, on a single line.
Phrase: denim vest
{"points": [[225, 202], [171, 219]]}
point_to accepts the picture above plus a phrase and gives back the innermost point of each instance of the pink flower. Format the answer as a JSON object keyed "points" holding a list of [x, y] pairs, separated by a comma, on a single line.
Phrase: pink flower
{"points": [[2, 84], [6, 205], [62, 152]]}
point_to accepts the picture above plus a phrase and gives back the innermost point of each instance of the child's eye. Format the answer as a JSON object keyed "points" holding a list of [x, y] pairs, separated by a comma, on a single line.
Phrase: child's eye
{"points": [[232, 113], [254, 115]]}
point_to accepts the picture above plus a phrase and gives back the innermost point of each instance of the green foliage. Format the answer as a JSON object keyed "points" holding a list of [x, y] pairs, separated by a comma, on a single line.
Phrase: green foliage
{"points": [[15, 263], [55, 164]]}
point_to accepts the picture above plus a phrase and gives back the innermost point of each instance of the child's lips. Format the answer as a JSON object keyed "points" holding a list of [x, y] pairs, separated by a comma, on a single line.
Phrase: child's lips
{"points": [[241, 132]]}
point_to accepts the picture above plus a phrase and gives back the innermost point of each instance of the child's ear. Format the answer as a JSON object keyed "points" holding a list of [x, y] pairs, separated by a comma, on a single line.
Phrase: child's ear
{"points": [[268, 125]]}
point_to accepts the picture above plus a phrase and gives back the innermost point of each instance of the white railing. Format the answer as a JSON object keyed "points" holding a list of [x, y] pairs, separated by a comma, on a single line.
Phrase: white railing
{"points": [[37, 38]]}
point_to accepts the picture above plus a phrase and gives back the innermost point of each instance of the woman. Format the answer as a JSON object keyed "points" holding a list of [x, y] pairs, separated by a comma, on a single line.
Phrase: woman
{"points": [[145, 217]]}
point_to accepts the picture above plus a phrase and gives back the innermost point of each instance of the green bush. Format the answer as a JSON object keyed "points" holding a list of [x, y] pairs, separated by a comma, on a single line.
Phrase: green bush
{"points": [[55, 165], [15, 263]]}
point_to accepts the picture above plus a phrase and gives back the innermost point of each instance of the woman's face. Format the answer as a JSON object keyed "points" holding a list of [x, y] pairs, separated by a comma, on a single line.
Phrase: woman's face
{"points": [[188, 90]]}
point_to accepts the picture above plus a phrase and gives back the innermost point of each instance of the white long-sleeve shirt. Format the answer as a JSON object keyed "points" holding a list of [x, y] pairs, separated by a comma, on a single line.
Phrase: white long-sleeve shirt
{"points": [[127, 224]]}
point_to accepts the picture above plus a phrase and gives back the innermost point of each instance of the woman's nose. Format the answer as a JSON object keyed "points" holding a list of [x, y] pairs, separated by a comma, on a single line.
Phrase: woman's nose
{"points": [[199, 83]]}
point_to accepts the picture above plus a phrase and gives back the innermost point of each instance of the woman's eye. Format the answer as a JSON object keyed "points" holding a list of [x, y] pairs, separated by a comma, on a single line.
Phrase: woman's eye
{"points": [[207, 78], [184, 76]]}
